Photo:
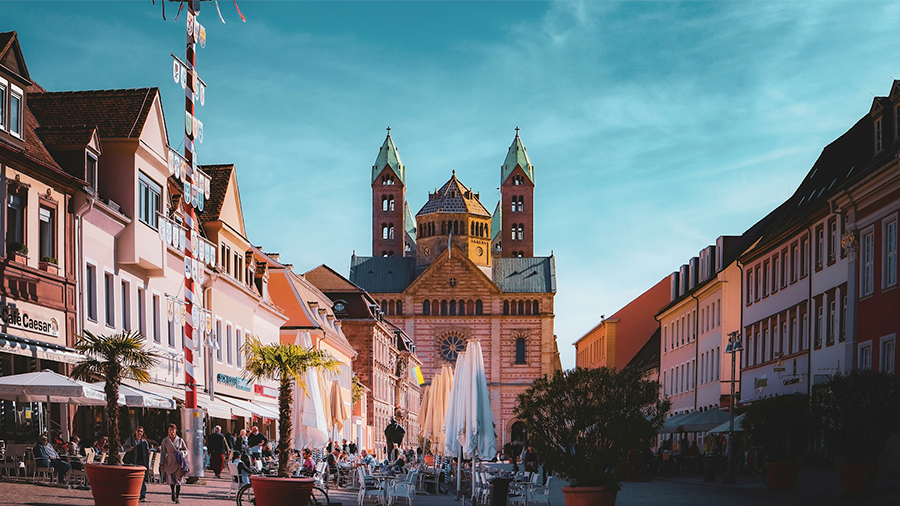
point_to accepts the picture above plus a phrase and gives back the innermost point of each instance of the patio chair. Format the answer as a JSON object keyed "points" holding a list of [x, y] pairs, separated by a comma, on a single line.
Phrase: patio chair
{"points": [[13, 458], [405, 488], [369, 488], [538, 494]]}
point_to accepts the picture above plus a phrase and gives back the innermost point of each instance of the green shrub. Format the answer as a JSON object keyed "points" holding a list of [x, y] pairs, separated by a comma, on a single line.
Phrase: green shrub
{"points": [[780, 425]]}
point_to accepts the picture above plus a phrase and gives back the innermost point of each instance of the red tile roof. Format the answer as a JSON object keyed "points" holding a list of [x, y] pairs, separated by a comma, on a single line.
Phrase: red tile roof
{"points": [[66, 136], [117, 114], [219, 175]]}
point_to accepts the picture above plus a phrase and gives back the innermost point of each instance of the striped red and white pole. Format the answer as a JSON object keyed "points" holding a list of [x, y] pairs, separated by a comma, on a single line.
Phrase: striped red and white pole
{"points": [[190, 400]]}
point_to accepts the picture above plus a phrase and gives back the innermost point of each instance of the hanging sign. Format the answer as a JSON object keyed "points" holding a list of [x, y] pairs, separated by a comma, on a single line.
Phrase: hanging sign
{"points": [[183, 78], [171, 310], [206, 186], [208, 323], [188, 123], [202, 94], [190, 24], [182, 238], [195, 317], [194, 241], [168, 232], [187, 270], [200, 200], [176, 71], [202, 36], [194, 195], [198, 130], [161, 227]]}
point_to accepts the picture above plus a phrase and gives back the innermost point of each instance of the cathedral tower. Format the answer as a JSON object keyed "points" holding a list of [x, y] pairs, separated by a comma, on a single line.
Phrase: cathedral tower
{"points": [[389, 237], [517, 202]]}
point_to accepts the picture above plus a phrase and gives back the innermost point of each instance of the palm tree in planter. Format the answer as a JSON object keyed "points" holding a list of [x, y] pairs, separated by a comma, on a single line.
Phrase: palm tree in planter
{"points": [[856, 414], [583, 422], [284, 363], [114, 358]]}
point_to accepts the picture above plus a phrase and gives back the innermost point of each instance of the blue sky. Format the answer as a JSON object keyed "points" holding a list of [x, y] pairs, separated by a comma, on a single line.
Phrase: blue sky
{"points": [[654, 127]]}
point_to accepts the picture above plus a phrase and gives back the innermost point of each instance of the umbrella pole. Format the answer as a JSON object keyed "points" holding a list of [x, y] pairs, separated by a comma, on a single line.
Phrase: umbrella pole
{"points": [[459, 474]]}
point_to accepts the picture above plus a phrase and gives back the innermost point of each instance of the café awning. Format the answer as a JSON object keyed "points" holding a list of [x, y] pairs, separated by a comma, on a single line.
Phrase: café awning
{"points": [[135, 397], [245, 406], [35, 349]]}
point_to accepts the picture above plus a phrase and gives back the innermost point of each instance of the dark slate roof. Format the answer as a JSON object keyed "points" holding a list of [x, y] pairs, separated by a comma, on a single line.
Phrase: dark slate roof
{"points": [[526, 274], [382, 274], [219, 175], [453, 197], [329, 280], [117, 114], [66, 136], [648, 357]]}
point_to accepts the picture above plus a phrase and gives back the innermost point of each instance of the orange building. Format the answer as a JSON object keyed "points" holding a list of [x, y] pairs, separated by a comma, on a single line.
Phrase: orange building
{"points": [[616, 340]]}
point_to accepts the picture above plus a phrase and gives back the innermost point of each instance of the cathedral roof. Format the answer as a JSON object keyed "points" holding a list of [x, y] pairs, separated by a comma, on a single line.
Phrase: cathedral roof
{"points": [[382, 274], [516, 156], [525, 274], [454, 197], [389, 156]]}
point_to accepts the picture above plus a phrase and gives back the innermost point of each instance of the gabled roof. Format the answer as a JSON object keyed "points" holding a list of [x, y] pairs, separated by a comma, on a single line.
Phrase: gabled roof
{"points": [[454, 254], [389, 156], [117, 114], [453, 197], [66, 136], [219, 176], [11, 55], [286, 297], [34, 149], [329, 280], [516, 157], [382, 274], [525, 274]]}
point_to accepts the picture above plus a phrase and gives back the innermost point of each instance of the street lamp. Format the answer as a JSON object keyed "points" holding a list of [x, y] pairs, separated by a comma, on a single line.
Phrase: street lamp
{"points": [[733, 348]]}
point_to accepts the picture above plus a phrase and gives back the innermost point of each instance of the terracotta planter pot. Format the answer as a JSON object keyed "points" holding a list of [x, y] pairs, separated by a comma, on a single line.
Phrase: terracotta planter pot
{"points": [[857, 478], [782, 475], [590, 496], [115, 485], [48, 267], [281, 491]]}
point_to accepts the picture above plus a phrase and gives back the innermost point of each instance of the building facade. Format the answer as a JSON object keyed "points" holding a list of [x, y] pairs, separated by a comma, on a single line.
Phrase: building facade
{"points": [[464, 279], [386, 364]]}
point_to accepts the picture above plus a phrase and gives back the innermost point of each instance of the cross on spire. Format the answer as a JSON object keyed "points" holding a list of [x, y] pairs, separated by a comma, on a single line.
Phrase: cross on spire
{"points": [[389, 130], [517, 131]]}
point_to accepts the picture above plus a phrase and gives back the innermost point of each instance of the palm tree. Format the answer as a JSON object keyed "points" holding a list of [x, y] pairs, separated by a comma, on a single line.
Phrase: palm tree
{"points": [[283, 363], [114, 358]]}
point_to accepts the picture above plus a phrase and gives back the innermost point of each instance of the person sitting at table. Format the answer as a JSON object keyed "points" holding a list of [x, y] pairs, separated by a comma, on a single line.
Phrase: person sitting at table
{"points": [[58, 443], [365, 459], [46, 456], [333, 458], [101, 445], [74, 446], [244, 471], [308, 467]]}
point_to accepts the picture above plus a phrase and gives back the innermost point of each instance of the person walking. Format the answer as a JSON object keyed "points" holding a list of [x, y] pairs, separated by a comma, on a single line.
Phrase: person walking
{"points": [[174, 459], [218, 449], [256, 441], [137, 452]]}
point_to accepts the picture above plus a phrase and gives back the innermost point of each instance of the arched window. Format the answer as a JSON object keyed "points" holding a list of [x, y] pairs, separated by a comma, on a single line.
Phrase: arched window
{"points": [[528, 309], [443, 308], [515, 229], [391, 231], [462, 308], [443, 228], [384, 203], [517, 433], [472, 227], [452, 308], [520, 350], [399, 307], [384, 306], [521, 307], [470, 307], [426, 307], [390, 253], [521, 232], [535, 307], [391, 307], [456, 227], [384, 231], [391, 202], [383, 253], [505, 307], [478, 307]]}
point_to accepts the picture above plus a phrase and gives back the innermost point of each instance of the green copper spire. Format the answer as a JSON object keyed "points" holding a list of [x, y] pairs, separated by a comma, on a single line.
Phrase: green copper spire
{"points": [[516, 157], [390, 157]]}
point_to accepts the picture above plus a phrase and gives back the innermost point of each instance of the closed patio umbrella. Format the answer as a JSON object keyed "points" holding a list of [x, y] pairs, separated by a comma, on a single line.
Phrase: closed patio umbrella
{"points": [[309, 407], [725, 427], [134, 397], [338, 410]]}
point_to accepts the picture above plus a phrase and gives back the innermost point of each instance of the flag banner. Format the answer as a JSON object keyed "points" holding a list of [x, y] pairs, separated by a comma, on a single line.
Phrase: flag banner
{"points": [[419, 377], [202, 36], [208, 323], [187, 270], [183, 77], [176, 71], [171, 307], [198, 128], [200, 199], [206, 181], [190, 24], [202, 94], [168, 232], [188, 123]]}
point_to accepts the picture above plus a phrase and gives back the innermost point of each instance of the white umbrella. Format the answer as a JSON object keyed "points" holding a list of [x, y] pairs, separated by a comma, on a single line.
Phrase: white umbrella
{"points": [[311, 429], [134, 397], [469, 425], [48, 386]]}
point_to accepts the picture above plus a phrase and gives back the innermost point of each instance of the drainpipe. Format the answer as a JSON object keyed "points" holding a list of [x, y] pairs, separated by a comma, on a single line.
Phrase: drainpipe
{"points": [[696, 349], [809, 309], [79, 260], [736, 374]]}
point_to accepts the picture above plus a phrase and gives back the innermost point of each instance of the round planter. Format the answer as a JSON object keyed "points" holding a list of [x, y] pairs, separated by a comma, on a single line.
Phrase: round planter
{"points": [[115, 485], [782, 475], [280, 491], [857, 478], [590, 496]]}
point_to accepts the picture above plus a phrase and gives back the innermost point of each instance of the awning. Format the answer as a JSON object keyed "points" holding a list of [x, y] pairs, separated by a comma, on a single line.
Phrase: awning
{"points": [[725, 427], [707, 420], [671, 425], [249, 407], [135, 397], [34, 349]]}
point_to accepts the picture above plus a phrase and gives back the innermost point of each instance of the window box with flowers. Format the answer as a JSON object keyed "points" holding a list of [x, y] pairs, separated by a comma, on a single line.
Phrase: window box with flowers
{"points": [[49, 264], [18, 252]]}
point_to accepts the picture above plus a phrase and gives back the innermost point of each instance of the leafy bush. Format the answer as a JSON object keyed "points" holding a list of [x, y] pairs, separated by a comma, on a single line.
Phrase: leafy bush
{"points": [[49, 260], [19, 248], [857, 413], [583, 422], [780, 425]]}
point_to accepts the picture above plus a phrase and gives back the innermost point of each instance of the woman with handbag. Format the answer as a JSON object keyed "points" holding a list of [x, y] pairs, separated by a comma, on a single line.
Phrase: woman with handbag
{"points": [[137, 453], [174, 461]]}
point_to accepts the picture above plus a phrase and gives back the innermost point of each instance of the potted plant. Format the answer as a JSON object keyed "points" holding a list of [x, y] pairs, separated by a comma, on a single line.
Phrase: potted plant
{"points": [[48, 264], [780, 426], [18, 252], [284, 363], [857, 413], [583, 422], [114, 358]]}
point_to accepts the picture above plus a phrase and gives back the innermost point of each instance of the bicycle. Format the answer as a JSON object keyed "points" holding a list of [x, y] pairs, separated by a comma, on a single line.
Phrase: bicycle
{"points": [[245, 497]]}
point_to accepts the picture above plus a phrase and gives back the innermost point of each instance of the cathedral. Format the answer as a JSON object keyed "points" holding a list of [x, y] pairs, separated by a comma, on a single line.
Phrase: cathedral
{"points": [[455, 271]]}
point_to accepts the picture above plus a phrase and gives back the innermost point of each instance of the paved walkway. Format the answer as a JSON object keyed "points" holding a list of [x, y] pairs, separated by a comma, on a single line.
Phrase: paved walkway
{"points": [[817, 487]]}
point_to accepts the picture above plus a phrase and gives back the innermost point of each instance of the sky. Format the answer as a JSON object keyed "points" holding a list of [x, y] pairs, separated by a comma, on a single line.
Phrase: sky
{"points": [[654, 127]]}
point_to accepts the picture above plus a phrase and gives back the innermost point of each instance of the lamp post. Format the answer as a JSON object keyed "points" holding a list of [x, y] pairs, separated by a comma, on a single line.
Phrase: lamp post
{"points": [[733, 348]]}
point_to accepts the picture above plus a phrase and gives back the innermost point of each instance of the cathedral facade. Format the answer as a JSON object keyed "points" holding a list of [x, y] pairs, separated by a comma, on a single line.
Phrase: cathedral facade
{"points": [[455, 271]]}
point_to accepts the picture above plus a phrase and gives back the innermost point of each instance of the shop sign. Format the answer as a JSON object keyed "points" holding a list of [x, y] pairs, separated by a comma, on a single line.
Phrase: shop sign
{"points": [[265, 391], [792, 381], [16, 318], [234, 381], [760, 382]]}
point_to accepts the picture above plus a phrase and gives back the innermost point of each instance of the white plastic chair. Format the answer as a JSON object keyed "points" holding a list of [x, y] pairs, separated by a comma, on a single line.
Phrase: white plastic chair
{"points": [[369, 488], [538, 494], [237, 480], [405, 488]]}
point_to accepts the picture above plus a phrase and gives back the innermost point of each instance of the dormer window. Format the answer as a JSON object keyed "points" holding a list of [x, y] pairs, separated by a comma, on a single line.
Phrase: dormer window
{"points": [[15, 111], [878, 130], [90, 172]]}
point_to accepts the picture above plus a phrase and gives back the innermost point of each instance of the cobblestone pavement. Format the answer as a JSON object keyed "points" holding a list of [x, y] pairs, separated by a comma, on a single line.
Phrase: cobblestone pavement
{"points": [[817, 487]]}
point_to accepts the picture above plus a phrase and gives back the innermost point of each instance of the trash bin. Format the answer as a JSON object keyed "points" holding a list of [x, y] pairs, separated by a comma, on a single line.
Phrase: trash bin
{"points": [[709, 468], [499, 491]]}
